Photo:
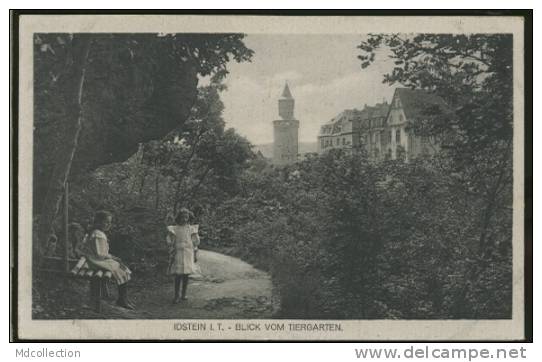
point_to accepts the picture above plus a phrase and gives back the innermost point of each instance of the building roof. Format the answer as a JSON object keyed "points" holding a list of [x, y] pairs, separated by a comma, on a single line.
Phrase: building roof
{"points": [[418, 103], [376, 111], [286, 92], [341, 123]]}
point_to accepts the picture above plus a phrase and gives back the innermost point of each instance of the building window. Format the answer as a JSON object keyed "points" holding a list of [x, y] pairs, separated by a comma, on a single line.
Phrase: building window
{"points": [[344, 141], [322, 143], [388, 154], [400, 118], [423, 141], [398, 136], [400, 153]]}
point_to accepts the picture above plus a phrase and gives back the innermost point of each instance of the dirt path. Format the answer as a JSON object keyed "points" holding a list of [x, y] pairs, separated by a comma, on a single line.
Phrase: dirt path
{"points": [[225, 287]]}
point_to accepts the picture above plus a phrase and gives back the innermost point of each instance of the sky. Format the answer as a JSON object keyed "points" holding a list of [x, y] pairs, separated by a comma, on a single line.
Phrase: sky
{"points": [[322, 71]]}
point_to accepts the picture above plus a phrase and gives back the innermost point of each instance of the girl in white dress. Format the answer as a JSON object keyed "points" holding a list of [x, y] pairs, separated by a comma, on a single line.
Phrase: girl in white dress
{"points": [[96, 249], [182, 238]]}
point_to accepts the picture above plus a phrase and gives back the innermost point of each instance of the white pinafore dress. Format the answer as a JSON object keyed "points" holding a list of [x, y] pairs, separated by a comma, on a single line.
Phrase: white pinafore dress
{"points": [[182, 239]]}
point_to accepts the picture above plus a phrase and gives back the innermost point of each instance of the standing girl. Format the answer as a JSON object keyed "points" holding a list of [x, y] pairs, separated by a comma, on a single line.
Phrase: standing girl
{"points": [[96, 250], [181, 238]]}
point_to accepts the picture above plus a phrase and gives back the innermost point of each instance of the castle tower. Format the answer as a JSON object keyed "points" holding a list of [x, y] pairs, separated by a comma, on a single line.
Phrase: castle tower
{"points": [[285, 131]]}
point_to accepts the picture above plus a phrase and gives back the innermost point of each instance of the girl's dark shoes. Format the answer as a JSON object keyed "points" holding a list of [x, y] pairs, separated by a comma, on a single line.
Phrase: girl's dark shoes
{"points": [[125, 304], [123, 300], [131, 303]]}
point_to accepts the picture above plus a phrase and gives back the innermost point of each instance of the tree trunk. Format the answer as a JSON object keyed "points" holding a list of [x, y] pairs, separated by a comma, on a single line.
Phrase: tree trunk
{"points": [[491, 202], [176, 199], [73, 88], [157, 187], [195, 189], [142, 183]]}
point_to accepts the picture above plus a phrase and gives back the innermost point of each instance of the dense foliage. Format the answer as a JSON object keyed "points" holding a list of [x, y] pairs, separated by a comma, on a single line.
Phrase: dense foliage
{"points": [[342, 236], [347, 238], [473, 73], [197, 166], [99, 96]]}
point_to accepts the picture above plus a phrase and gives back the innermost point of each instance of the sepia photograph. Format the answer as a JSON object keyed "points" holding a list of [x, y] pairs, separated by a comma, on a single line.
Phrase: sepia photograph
{"points": [[188, 177]]}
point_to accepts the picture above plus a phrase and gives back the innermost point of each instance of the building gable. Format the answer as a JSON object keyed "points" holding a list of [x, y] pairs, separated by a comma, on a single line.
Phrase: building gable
{"points": [[396, 114]]}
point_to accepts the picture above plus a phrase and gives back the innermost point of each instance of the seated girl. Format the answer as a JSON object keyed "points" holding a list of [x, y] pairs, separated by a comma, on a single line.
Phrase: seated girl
{"points": [[96, 250]]}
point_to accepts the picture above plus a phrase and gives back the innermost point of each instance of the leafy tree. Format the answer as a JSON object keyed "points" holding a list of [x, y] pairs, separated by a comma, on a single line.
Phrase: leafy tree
{"points": [[473, 73], [199, 153], [342, 240], [137, 88], [73, 82]]}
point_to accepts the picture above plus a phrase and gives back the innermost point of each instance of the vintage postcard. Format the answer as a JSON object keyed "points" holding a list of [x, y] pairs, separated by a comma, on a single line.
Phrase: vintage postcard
{"points": [[241, 177]]}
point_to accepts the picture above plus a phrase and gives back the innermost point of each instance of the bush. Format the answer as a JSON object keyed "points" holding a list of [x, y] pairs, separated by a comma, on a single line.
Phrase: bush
{"points": [[346, 238]]}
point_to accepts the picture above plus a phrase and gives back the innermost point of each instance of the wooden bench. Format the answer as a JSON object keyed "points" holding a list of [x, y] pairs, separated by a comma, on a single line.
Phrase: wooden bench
{"points": [[97, 279]]}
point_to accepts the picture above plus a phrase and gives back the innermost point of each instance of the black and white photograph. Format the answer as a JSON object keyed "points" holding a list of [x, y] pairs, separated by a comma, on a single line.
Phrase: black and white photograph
{"points": [[281, 178]]}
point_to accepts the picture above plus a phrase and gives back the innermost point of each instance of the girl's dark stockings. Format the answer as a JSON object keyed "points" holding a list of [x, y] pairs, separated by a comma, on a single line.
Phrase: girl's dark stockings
{"points": [[183, 278]]}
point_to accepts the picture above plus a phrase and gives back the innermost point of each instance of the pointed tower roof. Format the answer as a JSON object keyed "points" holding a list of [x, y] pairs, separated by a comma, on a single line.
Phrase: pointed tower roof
{"points": [[286, 92]]}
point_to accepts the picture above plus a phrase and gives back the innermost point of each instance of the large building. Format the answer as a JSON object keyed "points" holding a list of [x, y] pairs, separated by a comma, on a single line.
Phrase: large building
{"points": [[353, 129], [372, 126], [383, 130], [407, 107], [285, 131], [340, 132]]}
